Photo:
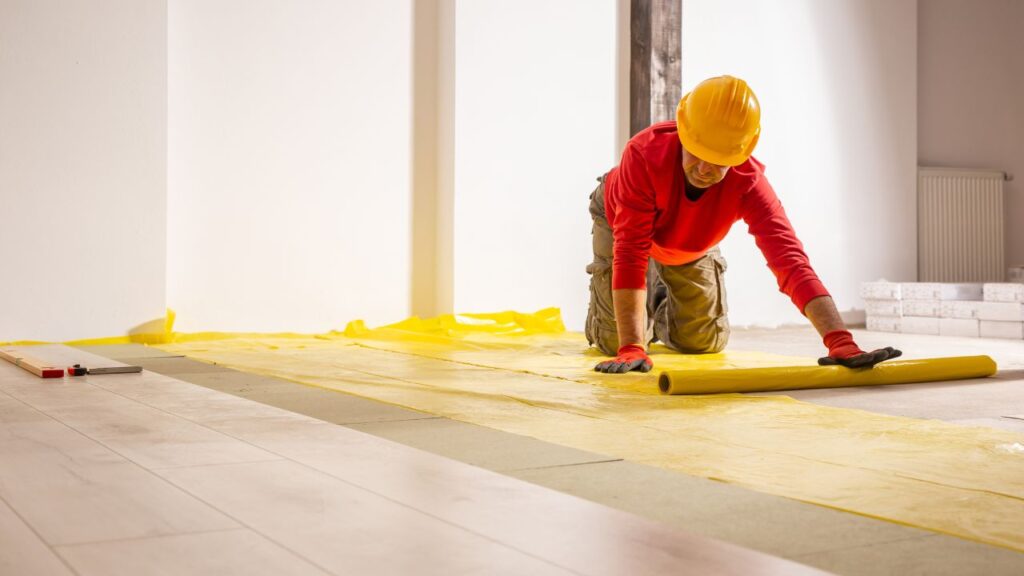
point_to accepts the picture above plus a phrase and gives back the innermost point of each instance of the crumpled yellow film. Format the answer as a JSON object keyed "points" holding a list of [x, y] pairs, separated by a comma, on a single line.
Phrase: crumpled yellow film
{"points": [[522, 373]]}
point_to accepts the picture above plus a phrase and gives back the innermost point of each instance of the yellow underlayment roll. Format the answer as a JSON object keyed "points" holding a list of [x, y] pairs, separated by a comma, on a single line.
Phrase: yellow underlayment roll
{"points": [[809, 377], [522, 373]]}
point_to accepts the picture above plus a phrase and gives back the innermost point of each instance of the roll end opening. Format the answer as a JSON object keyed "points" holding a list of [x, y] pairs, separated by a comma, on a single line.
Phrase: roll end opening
{"points": [[664, 382]]}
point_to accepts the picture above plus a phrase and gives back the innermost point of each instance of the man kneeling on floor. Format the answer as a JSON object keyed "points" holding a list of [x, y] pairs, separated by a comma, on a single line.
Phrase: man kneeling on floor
{"points": [[658, 218]]}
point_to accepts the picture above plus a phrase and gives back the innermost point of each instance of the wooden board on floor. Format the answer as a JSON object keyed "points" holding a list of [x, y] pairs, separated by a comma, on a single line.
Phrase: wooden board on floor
{"points": [[38, 367]]}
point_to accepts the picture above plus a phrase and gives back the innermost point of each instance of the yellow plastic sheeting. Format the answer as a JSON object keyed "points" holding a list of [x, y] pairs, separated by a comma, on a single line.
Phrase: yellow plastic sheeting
{"points": [[807, 377], [537, 344], [967, 482], [160, 331]]}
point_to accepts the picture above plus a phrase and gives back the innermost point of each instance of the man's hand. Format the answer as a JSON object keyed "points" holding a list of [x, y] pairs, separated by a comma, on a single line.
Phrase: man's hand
{"points": [[631, 357], [844, 351]]}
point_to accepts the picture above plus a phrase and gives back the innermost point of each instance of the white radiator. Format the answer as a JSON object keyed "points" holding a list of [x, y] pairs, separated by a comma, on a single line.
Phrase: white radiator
{"points": [[960, 225]]}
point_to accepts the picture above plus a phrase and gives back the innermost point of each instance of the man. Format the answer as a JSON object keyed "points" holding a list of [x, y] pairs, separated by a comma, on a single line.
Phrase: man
{"points": [[658, 218]]}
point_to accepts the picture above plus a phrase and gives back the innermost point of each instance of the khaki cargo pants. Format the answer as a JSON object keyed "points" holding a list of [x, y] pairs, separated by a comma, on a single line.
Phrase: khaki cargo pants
{"points": [[686, 307]]}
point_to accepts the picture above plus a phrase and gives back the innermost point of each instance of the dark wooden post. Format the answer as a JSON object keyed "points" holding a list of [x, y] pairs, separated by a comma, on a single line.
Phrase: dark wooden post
{"points": [[655, 69]]}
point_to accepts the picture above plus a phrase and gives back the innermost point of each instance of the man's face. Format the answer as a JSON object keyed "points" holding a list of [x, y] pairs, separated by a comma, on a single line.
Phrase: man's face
{"points": [[700, 173]]}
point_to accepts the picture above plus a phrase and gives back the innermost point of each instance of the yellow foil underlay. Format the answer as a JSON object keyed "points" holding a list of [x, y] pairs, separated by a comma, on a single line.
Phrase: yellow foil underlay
{"points": [[522, 373]]}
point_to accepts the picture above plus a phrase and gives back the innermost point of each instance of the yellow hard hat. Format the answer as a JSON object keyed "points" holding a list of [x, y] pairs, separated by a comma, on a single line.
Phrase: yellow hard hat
{"points": [[719, 121]]}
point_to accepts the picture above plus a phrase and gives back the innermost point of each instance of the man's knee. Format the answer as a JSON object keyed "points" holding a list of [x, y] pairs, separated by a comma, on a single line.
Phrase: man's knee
{"points": [[707, 340], [606, 342]]}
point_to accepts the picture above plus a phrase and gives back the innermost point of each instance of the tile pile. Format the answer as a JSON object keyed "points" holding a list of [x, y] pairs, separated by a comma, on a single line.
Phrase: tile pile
{"points": [[973, 310]]}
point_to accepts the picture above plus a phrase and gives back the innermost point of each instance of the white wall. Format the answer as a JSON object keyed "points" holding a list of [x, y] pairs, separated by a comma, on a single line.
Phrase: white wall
{"points": [[82, 167], [287, 154], [289, 163], [971, 95], [535, 124], [837, 86]]}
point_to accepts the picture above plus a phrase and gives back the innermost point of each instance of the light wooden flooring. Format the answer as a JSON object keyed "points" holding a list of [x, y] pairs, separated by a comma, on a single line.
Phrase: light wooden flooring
{"points": [[828, 539], [148, 474]]}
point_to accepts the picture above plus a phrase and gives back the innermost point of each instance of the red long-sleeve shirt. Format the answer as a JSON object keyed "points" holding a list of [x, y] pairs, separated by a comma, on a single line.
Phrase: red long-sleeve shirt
{"points": [[650, 215]]}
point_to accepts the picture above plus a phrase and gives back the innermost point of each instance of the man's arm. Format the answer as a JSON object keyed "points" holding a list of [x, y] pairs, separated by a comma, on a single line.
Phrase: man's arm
{"points": [[824, 315], [774, 235], [630, 310], [632, 226]]}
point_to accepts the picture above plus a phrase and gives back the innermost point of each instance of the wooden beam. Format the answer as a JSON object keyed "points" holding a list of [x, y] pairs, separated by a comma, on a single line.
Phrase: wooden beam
{"points": [[639, 66], [666, 64], [655, 70], [33, 365]]}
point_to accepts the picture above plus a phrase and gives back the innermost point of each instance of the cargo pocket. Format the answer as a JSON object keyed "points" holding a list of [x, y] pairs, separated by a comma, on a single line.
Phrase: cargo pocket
{"points": [[600, 327], [722, 322], [723, 304]]}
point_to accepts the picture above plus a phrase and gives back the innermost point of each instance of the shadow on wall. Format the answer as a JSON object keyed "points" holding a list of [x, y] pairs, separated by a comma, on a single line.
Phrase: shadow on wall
{"points": [[148, 331]]}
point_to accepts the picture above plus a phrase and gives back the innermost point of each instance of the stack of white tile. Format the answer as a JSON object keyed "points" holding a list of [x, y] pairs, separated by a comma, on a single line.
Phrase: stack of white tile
{"points": [[1002, 312], [972, 310], [883, 305]]}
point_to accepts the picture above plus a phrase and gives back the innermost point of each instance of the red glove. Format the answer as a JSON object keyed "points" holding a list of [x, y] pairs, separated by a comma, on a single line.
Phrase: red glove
{"points": [[844, 351], [631, 357]]}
